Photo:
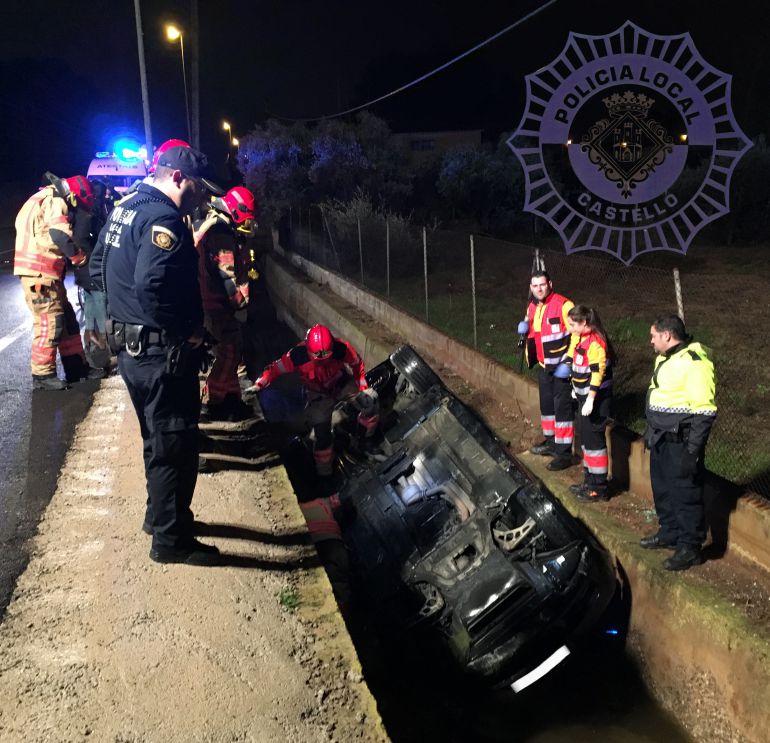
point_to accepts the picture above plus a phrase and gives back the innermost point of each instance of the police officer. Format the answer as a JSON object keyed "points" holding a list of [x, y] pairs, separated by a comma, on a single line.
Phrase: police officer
{"points": [[680, 412], [147, 264]]}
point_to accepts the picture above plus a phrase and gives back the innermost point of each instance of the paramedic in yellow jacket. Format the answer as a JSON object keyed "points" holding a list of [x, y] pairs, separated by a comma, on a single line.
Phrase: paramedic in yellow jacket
{"points": [[44, 246], [591, 358], [680, 411]]}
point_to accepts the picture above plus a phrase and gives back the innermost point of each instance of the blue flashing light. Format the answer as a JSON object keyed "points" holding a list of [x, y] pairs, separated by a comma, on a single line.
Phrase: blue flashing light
{"points": [[103, 154], [127, 148], [611, 632]]}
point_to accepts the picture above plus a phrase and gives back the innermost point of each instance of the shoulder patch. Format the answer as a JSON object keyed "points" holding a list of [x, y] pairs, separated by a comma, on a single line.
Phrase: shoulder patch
{"points": [[163, 238], [694, 356]]}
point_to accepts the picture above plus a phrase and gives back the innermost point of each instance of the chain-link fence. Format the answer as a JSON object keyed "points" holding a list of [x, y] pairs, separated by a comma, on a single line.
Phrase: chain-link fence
{"points": [[475, 289]]}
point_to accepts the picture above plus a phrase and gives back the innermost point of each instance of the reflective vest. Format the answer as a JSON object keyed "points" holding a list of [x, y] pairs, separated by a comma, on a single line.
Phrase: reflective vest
{"points": [[547, 326], [681, 395], [37, 255], [591, 369]]}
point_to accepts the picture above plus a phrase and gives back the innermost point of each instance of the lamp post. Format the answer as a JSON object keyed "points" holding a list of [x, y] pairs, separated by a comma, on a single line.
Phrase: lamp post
{"points": [[172, 34], [226, 126]]}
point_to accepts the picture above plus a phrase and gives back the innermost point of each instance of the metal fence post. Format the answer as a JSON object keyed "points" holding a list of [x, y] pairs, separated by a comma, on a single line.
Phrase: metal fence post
{"points": [[425, 269], [473, 294], [360, 250], [678, 291], [387, 258]]}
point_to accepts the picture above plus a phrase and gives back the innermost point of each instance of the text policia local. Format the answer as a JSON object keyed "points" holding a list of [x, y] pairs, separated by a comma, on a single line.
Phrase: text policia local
{"points": [[625, 73]]}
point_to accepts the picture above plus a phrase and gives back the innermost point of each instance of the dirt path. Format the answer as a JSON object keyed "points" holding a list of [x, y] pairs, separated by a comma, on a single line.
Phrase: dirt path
{"points": [[100, 643]]}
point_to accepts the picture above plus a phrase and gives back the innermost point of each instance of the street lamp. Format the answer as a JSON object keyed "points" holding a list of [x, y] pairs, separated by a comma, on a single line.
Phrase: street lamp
{"points": [[226, 126], [172, 34], [236, 142]]}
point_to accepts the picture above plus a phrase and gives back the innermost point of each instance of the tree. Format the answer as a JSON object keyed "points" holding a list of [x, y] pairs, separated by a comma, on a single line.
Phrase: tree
{"points": [[274, 161], [482, 183]]}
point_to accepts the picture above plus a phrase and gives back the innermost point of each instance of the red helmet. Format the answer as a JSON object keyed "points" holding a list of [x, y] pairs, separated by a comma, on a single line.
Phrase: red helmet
{"points": [[80, 191], [320, 342], [167, 145], [240, 203]]}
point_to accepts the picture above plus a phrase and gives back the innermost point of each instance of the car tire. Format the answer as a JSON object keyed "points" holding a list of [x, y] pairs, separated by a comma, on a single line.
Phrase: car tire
{"points": [[408, 362]]}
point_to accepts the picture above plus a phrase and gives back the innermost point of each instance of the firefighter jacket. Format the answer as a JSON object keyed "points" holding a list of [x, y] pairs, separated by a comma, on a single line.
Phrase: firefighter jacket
{"points": [[319, 375], [219, 264], [681, 396], [44, 237], [146, 255], [548, 329], [591, 367]]}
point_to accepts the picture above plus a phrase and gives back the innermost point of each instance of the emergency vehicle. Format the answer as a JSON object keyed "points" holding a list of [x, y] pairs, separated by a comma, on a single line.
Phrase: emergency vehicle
{"points": [[115, 171]]}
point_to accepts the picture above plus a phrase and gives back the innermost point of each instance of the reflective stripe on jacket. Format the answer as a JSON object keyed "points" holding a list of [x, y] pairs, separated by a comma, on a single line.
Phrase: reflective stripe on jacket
{"points": [[548, 327], [36, 252], [681, 396], [591, 369]]}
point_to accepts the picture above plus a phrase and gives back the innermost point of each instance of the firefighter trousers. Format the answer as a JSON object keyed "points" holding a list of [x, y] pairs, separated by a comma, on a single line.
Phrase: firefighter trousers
{"points": [[223, 377], [54, 326], [678, 498], [556, 411]]}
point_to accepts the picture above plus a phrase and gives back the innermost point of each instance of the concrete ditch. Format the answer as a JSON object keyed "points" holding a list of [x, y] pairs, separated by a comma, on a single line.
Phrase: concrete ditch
{"points": [[704, 659]]}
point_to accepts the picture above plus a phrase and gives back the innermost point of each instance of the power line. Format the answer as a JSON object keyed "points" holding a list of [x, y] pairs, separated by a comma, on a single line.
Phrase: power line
{"points": [[420, 79]]}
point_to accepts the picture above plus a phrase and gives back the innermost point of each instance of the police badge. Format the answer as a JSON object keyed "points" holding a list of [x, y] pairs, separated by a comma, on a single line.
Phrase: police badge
{"points": [[163, 238], [628, 143]]}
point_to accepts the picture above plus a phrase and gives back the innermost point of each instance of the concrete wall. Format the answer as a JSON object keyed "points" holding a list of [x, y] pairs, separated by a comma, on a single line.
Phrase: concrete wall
{"points": [[700, 657]]}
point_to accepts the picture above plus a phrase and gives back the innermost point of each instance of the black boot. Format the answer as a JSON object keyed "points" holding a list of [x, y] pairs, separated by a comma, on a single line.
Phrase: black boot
{"points": [[545, 448], [47, 382], [685, 557]]}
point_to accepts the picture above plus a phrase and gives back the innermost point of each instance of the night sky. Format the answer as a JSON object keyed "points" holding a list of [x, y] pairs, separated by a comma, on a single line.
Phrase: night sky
{"points": [[70, 76]]}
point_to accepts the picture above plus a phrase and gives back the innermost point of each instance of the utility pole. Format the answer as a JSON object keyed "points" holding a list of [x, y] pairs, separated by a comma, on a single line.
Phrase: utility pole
{"points": [[143, 79], [195, 76]]}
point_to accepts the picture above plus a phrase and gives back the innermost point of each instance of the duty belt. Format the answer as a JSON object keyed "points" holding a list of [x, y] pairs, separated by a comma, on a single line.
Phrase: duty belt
{"points": [[134, 339]]}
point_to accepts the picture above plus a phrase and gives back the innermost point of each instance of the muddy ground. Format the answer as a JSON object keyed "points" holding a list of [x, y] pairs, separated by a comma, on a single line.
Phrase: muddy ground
{"points": [[100, 643]]}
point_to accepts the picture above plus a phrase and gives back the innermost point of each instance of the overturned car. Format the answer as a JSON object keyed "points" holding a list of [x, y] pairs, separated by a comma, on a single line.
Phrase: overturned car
{"points": [[445, 531]]}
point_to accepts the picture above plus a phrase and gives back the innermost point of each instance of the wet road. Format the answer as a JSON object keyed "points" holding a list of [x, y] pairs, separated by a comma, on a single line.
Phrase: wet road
{"points": [[35, 433]]}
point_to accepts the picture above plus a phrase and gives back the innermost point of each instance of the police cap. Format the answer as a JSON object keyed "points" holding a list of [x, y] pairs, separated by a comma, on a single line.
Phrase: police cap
{"points": [[192, 163]]}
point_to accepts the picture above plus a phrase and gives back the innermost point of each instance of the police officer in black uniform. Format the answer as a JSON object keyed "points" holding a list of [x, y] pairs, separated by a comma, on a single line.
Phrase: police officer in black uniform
{"points": [[146, 261]]}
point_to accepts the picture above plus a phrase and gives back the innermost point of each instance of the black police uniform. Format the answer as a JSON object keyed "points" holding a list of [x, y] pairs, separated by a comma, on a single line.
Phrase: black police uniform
{"points": [[146, 260]]}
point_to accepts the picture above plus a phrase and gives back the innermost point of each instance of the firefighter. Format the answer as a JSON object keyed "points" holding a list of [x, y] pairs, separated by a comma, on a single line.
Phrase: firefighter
{"points": [[146, 262], [548, 339], [44, 246], [680, 412], [591, 359], [330, 370], [219, 239]]}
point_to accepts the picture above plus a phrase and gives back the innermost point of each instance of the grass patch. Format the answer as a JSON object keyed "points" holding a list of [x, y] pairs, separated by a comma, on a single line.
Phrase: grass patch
{"points": [[289, 599]]}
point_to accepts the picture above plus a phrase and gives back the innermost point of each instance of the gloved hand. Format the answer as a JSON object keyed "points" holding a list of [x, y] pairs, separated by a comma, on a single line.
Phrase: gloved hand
{"points": [[588, 407], [563, 371], [523, 327], [240, 315], [689, 466], [79, 259], [573, 394], [258, 386]]}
